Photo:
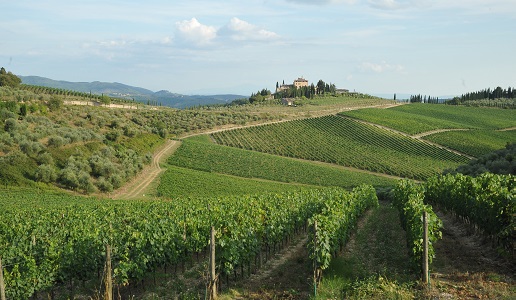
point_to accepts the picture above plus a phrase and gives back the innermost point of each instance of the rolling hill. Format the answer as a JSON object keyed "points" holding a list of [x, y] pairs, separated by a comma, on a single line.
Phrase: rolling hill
{"points": [[115, 89]]}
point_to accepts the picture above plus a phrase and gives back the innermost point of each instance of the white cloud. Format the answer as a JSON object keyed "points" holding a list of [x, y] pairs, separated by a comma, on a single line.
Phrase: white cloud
{"points": [[380, 68], [389, 4], [240, 30], [194, 32], [322, 2], [114, 43], [471, 6]]}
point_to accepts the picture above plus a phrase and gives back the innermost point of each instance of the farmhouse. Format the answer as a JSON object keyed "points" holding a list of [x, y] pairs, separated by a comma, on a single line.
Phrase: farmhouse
{"points": [[284, 87], [298, 83]]}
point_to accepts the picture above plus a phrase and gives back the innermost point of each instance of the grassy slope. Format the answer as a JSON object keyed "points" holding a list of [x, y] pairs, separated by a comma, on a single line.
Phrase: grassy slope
{"points": [[418, 118], [182, 182], [345, 142], [474, 142], [250, 164]]}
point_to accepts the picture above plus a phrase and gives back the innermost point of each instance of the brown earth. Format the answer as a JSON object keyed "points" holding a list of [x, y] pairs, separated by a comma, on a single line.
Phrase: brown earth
{"points": [[137, 186], [468, 267]]}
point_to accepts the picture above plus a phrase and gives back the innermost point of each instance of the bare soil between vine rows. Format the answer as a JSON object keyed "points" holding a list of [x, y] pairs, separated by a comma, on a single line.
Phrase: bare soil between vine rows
{"points": [[468, 267]]}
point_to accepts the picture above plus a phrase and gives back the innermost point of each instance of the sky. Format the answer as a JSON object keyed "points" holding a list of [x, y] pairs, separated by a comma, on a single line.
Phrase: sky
{"points": [[430, 47]]}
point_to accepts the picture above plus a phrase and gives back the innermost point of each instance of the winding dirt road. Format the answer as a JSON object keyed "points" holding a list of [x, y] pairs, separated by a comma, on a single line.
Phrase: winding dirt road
{"points": [[137, 186]]}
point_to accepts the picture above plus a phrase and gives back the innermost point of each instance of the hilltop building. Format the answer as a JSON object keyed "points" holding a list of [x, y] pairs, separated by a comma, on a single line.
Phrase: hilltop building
{"points": [[298, 83]]}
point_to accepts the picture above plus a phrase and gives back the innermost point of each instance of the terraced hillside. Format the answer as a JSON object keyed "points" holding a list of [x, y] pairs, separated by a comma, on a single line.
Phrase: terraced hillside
{"points": [[214, 160], [345, 142], [418, 118], [474, 131]]}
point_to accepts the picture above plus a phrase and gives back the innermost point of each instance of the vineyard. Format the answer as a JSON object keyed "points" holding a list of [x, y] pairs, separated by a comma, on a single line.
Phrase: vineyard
{"points": [[345, 142], [487, 201], [212, 158], [408, 198], [183, 182], [474, 142], [335, 223], [260, 187], [61, 240], [418, 118]]}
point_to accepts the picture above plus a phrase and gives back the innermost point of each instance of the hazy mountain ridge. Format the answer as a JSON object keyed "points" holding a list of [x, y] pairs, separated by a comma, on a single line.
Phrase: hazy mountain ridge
{"points": [[120, 90]]}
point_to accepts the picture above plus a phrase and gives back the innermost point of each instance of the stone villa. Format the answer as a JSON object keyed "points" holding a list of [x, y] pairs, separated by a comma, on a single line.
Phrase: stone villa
{"points": [[298, 83]]}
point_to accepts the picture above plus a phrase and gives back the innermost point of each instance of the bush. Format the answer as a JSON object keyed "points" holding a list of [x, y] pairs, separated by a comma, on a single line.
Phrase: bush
{"points": [[85, 182], [55, 103], [16, 168], [32, 149], [45, 173], [113, 135], [45, 158], [101, 166], [68, 178], [116, 180], [10, 125], [56, 141], [6, 114], [104, 185]]}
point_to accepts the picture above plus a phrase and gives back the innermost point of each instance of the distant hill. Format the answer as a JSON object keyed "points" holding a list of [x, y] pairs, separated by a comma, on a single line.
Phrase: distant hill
{"points": [[120, 90]]}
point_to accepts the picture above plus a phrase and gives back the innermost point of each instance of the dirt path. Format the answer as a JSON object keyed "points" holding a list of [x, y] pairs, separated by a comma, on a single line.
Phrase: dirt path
{"points": [[317, 113], [286, 275], [423, 134], [467, 267], [507, 129], [138, 185]]}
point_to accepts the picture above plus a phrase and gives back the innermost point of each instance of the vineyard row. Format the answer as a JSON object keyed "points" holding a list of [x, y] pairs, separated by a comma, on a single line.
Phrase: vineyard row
{"points": [[44, 245]]}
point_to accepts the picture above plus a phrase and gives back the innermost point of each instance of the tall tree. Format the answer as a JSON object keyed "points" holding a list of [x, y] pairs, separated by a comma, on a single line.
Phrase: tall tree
{"points": [[320, 86]]}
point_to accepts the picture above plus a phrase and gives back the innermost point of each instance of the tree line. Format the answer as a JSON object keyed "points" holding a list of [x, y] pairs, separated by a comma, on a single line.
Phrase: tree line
{"points": [[484, 94], [310, 91], [490, 94], [422, 99]]}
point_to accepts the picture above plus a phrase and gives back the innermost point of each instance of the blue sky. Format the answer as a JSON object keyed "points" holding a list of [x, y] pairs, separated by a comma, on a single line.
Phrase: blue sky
{"points": [[435, 47]]}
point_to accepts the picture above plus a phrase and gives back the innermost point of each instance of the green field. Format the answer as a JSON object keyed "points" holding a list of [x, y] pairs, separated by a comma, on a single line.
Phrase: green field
{"points": [[182, 182], [345, 142], [474, 142], [419, 118], [214, 158]]}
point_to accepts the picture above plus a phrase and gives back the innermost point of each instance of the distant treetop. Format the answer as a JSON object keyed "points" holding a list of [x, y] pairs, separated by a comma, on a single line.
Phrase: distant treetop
{"points": [[8, 78]]}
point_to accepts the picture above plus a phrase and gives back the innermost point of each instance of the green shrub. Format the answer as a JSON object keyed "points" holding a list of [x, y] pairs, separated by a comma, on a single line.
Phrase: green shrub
{"points": [[45, 173]]}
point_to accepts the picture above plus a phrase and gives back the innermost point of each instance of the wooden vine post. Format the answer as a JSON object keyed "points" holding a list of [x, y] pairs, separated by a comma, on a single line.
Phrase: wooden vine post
{"points": [[2, 286], [425, 248], [213, 274], [109, 279], [315, 258]]}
